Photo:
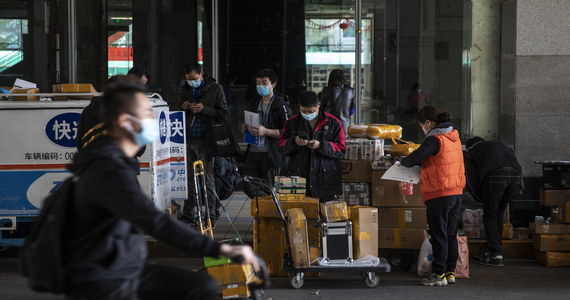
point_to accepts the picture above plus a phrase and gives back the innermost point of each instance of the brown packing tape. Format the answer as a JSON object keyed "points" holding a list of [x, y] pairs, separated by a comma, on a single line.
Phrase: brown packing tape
{"points": [[397, 239], [402, 218], [364, 236]]}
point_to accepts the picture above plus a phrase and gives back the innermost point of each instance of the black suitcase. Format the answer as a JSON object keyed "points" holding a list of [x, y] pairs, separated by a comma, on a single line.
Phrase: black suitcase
{"points": [[337, 242]]}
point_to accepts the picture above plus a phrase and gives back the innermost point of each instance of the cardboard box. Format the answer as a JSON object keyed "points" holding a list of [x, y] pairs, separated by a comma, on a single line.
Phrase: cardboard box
{"points": [[521, 233], [387, 193], [314, 253], [355, 194], [402, 217], [355, 170], [269, 242], [560, 213], [235, 291], [231, 273], [397, 238], [554, 197], [334, 211], [298, 237], [554, 259], [364, 231], [552, 242], [507, 231], [283, 190], [73, 88], [264, 207], [290, 181], [352, 149], [550, 228], [26, 91]]}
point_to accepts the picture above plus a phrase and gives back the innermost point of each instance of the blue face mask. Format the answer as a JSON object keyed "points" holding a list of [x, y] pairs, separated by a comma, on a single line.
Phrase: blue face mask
{"points": [[194, 83], [263, 90], [149, 131], [310, 117]]}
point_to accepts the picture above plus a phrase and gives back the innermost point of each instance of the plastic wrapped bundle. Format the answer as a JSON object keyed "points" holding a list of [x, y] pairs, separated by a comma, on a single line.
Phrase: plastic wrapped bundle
{"points": [[358, 131], [384, 131]]}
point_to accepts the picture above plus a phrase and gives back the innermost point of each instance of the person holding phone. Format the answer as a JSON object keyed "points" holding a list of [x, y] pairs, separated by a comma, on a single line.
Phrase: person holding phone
{"points": [[315, 142]]}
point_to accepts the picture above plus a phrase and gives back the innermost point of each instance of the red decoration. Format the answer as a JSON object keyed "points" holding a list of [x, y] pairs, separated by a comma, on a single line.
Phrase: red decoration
{"points": [[343, 26]]}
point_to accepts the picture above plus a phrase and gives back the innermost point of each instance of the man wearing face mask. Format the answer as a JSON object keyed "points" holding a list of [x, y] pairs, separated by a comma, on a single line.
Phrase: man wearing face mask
{"points": [[265, 161], [105, 246], [315, 142], [204, 102]]}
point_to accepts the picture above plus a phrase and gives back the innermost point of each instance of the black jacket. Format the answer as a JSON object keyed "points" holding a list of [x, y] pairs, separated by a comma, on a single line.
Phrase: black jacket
{"points": [[278, 116], [487, 156], [90, 116], [322, 166], [338, 100], [211, 94], [110, 215]]}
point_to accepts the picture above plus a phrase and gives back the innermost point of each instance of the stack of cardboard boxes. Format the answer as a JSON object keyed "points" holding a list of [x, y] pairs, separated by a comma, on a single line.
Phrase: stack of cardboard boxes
{"points": [[356, 170], [268, 231], [552, 239], [233, 280], [401, 218]]}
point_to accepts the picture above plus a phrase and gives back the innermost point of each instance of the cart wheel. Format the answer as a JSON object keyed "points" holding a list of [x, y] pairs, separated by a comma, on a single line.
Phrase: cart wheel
{"points": [[371, 279], [297, 280]]}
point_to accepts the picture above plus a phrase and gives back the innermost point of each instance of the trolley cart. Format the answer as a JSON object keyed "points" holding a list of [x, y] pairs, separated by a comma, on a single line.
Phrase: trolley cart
{"points": [[201, 191], [296, 275]]}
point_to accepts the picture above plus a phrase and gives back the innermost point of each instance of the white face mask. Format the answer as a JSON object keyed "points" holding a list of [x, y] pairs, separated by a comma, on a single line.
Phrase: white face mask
{"points": [[149, 131]]}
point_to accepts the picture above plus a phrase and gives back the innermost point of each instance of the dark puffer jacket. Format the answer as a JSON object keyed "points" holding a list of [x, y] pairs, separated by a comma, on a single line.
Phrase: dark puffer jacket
{"points": [[322, 166], [110, 217]]}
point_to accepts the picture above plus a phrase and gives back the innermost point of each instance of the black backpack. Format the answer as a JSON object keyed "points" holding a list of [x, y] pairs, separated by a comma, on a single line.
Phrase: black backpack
{"points": [[41, 257], [227, 176]]}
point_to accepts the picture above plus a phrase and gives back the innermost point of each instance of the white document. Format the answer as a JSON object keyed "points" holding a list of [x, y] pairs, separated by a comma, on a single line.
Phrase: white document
{"points": [[398, 172], [23, 84], [251, 119]]}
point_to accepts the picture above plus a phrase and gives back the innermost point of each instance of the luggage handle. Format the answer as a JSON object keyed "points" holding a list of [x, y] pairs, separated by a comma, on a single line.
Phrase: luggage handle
{"points": [[9, 220]]}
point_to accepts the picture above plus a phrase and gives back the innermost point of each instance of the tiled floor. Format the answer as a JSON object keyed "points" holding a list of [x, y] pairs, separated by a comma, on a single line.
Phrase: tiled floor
{"points": [[238, 214]]}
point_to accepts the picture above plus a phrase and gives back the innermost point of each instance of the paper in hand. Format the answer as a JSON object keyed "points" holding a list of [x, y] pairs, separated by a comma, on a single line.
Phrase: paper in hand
{"points": [[398, 172]]}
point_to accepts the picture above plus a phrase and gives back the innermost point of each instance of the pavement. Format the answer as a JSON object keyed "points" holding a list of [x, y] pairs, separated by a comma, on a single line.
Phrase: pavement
{"points": [[517, 280]]}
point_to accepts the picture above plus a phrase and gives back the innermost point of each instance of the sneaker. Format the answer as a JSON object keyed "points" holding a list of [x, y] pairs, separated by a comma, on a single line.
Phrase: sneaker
{"points": [[450, 277], [434, 280], [494, 261], [481, 255]]}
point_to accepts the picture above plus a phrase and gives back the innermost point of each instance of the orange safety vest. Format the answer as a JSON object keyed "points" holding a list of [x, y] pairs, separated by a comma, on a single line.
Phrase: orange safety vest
{"points": [[443, 174]]}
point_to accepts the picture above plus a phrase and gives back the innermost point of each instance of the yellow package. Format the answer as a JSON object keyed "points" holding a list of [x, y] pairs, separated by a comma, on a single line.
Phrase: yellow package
{"points": [[334, 211], [402, 149], [384, 131]]}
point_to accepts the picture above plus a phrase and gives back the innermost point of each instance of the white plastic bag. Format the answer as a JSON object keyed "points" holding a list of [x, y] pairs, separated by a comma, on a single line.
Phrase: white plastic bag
{"points": [[425, 258]]}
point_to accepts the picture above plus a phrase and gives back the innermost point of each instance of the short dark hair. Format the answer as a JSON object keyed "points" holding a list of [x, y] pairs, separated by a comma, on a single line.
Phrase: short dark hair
{"points": [[139, 72], [267, 73], [472, 141], [118, 99], [192, 66], [114, 79], [308, 99], [433, 114]]}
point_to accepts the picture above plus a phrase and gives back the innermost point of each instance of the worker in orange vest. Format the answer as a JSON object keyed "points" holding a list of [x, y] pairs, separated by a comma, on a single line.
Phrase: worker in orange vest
{"points": [[442, 180]]}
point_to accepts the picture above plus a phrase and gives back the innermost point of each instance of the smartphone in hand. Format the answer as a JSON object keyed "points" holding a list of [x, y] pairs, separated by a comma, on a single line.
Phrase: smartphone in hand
{"points": [[304, 136]]}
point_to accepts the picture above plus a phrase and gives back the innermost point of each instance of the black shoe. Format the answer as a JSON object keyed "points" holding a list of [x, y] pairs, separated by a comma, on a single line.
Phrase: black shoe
{"points": [[213, 222], [481, 255], [494, 261]]}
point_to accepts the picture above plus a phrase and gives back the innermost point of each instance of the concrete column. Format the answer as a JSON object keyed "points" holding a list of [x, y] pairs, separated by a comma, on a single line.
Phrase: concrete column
{"points": [[536, 68], [485, 68]]}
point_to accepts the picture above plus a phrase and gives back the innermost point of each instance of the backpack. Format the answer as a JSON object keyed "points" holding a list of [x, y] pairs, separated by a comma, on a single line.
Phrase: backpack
{"points": [[226, 176], [41, 257]]}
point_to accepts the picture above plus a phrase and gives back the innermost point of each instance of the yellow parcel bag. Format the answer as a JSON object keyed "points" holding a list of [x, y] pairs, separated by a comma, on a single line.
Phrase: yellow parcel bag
{"points": [[404, 149]]}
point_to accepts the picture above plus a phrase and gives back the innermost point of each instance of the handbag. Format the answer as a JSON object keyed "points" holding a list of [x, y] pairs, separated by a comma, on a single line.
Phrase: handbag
{"points": [[221, 141], [402, 149]]}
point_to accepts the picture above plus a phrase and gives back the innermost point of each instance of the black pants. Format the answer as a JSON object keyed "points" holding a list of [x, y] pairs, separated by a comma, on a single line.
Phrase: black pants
{"points": [[155, 282], [443, 218], [258, 164], [194, 152], [499, 188]]}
